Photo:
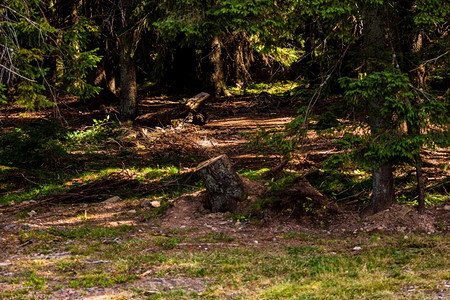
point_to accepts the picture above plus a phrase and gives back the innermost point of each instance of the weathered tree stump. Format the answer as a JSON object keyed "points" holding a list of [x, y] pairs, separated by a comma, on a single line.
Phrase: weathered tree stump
{"points": [[225, 188], [190, 111]]}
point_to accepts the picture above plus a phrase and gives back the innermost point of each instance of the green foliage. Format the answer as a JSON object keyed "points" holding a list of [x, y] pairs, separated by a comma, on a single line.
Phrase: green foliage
{"points": [[284, 181], [94, 136], [33, 147], [327, 120], [30, 42], [273, 88], [339, 185], [2, 94], [274, 140], [196, 23], [78, 61], [400, 105]]}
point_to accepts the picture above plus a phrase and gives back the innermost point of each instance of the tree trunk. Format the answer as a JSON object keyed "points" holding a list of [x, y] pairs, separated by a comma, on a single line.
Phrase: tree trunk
{"points": [[225, 187], [128, 90], [242, 59], [217, 78], [110, 75], [414, 129], [382, 188], [374, 46], [420, 187]]}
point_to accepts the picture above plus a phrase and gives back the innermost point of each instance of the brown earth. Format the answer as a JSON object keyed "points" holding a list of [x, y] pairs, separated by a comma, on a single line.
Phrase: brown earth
{"points": [[223, 134], [228, 119]]}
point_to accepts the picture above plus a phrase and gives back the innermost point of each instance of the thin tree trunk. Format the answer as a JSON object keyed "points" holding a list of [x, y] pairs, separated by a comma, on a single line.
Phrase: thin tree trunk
{"points": [[382, 174], [242, 59], [217, 77], [383, 187], [420, 185], [110, 79], [419, 79], [128, 90]]}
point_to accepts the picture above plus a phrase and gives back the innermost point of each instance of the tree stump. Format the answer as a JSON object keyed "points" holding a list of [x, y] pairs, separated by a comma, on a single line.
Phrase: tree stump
{"points": [[225, 188]]}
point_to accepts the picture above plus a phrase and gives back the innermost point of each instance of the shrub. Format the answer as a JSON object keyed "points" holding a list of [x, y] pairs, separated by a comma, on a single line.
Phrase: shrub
{"points": [[33, 147]]}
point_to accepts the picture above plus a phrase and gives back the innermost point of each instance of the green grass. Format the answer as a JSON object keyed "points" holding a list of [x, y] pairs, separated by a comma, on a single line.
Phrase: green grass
{"points": [[253, 174], [299, 266], [91, 232], [274, 88], [47, 183]]}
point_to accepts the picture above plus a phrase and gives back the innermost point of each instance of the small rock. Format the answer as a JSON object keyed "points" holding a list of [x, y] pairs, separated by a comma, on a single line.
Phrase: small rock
{"points": [[256, 242], [146, 203], [156, 203], [150, 203], [112, 199], [357, 248], [150, 292], [96, 262], [405, 237], [10, 226], [131, 211], [447, 207]]}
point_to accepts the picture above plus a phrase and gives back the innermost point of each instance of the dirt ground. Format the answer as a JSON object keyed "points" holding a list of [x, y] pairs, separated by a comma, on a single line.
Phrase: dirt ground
{"points": [[223, 134], [230, 122]]}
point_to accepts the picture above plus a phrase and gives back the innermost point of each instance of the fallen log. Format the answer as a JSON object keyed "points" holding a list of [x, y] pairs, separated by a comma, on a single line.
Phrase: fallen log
{"points": [[189, 112], [224, 186]]}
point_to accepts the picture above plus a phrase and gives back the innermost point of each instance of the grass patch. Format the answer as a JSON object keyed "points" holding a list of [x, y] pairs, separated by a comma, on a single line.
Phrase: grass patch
{"points": [[253, 174], [304, 268], [273, 88], [91, 232], [167, 243], [214, 237]]}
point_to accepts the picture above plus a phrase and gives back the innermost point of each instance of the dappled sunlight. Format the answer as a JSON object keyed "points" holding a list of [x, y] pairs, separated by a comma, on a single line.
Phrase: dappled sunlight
{"points": [[114, 218], [247, 123]]}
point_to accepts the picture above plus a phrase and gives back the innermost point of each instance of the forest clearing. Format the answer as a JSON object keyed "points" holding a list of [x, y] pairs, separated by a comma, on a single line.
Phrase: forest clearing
{"points": [[224, 149], [65, 240]]}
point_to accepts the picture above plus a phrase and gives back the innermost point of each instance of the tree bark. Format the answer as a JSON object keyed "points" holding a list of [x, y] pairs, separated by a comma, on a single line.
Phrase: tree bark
{"points": [[225, 188], [217, 77], [375, 52], [420, 188], [242, 58], [128, 89], [382, 187]]}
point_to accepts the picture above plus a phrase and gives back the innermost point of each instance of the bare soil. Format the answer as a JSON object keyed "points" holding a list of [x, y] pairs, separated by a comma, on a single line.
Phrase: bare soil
{"points": [[230, 123]]}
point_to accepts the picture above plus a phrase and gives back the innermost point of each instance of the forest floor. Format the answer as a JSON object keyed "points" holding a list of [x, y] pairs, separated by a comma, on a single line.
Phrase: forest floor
{"points": [[122, 215]]}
